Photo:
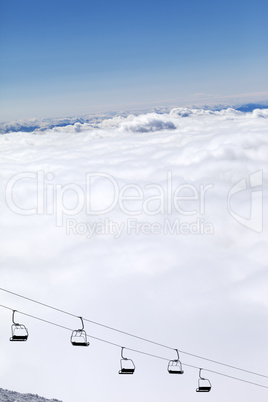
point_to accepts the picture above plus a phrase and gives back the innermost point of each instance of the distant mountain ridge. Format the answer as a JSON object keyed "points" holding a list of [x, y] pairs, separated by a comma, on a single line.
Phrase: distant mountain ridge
{"points": [[249, 107], [12, 396]]}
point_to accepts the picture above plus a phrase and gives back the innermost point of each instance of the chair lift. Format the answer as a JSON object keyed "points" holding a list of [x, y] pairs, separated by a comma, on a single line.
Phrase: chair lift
{"points": [[127, 365], [204, 385], [79, 336], [19, 331], [175, 366]]}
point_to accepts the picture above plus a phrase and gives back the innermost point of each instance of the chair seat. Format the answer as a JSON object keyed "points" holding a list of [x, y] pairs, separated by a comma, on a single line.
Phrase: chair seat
{"points": [[19, 338], [175, 371], [80, 343], [126, 371], [203, 389]]}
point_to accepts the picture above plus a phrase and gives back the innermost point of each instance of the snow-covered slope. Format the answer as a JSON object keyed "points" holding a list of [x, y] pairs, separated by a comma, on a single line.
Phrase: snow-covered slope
{"points": [[12, 396]]}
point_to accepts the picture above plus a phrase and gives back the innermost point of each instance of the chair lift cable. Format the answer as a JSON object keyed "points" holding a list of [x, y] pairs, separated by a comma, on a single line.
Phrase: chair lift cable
{"points": [[134, 336], [135, 350]]}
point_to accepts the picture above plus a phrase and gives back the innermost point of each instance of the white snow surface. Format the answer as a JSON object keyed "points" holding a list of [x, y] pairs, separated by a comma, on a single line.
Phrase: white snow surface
{"points": [[12, 396], [201, 289]]}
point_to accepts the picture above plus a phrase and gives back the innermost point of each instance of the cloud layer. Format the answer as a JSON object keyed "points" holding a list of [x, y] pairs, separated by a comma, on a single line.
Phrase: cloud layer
{"points": [[201, 288]]}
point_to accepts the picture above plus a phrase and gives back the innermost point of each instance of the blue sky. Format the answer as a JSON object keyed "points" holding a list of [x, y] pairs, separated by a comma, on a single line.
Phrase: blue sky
{"points": [[74, 57]]}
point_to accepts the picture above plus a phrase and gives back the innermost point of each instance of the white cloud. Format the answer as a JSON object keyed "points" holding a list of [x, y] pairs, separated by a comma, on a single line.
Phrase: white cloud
{"points": [[192, 291]]}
